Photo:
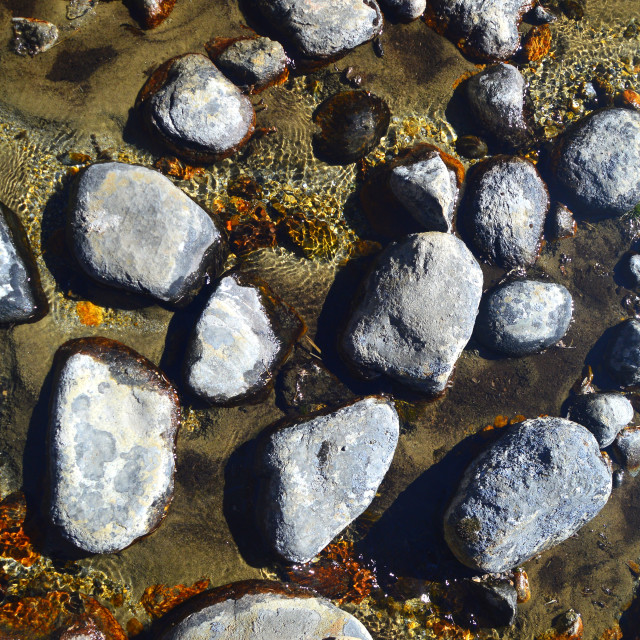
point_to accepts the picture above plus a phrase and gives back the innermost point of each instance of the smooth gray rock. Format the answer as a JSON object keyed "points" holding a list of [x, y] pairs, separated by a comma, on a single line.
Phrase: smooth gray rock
{"points": [[622, 356], [241, 339], [628, 449], [428, 189], [504, 209], [633, 267], [323, 28], [196, 110], [405, 10], [496, 100], [321, 473], [523, 317], [417, 311], [113, 424], [598, 162], [133, 229], [562, 224], [604, 414], [532, 489], [32, 36]]}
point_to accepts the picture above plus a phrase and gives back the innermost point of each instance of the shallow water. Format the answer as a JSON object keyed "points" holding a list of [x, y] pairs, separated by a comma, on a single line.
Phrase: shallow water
{"points": [[78, 96]]}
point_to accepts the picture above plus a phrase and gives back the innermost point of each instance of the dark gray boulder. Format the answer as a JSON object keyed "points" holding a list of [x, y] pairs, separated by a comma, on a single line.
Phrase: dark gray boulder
{"points": [[113, 424], [622, 356], [320, 473], [604, 414], [132, 228], [597, 162], [504, 210], [416, 312], [404, 10], [562, 224], [627, 447], [532, 489], [241, 339], [32, 36], [523, 317]]}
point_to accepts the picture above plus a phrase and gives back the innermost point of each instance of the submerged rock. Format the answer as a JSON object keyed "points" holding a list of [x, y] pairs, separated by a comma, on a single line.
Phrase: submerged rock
{"points": [[633, 269], [622, 357], [471, 147], [404, 10], [562, 224], [523, 317], [241, 339], [498, 598], [133, 229], [628, 449], [598, 162], [320, 473], [532, 489], [195, 110], [21, 296], [31, 36], [113, 425], [152, 12], [417, 311]]}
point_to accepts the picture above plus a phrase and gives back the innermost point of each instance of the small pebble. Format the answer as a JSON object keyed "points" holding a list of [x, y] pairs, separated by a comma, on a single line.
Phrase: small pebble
{"points": [[32, 36], [562, 224], [540, 15], [604, 414]]}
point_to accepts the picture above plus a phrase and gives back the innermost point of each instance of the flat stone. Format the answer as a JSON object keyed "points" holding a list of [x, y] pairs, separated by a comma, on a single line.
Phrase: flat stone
{"points": [[193, 109], [604, 414], [323, 28], [532, 489], [152, 12], [562, 224], [416, 312], [241, 339], [404, 10], [320, 473], [627, 448], [133, 229], [598, 162], [21, 296], [32, 36], [523, 317], [622, 357], [504, 210], [113, 424]]}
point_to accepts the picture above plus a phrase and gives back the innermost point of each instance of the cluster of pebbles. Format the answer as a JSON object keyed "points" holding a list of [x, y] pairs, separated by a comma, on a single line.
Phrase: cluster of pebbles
{"points": [[114, 416]]}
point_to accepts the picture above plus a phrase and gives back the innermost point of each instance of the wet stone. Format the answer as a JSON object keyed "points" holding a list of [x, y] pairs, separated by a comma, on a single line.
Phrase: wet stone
{"points": [[498, 599], [598, 162], [604, 414], [32, 36], [633, 270], [622, 357], [562, 224], [471, 147], [241, 339], [540, 15], [321, 473], [113, 424], [627, 447], [523, 317], [152, 12], [193, 109], [133, 229], [532, 489], [617, 478], [404, 10], [504, 209], [78, 8], [417, 312]]}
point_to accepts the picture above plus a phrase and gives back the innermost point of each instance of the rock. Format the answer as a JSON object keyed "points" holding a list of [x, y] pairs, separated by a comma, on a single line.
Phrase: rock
{"points": [[532, 489], [320, 473], [113, 425], [524, 316], [251, 63], [617, 478], [562, 223], [265, 610], [404, 10], [10, 479], [540, 15], [241, 339], [191, 107], [152, 12], [628, 449], [481, 28], [597, 163], [498, 599], [321, 29], [471, 147], [504, 209], [21, 296], [622, 357], [416, 312], [131, 228], [633, 270], [31, 36], [78, 8], [496, 101], [604, 414]]}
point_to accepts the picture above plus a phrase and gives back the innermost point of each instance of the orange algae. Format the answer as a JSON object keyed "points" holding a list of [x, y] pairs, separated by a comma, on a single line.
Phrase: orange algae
{"points": [[159, 599], [614, 633], [89, 314], [172, 166], [537, 43], [447, 630], [14, 542]]}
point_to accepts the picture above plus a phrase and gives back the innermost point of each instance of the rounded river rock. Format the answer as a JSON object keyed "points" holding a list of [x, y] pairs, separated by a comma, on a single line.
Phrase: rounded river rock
{"points": [[622, 357]]}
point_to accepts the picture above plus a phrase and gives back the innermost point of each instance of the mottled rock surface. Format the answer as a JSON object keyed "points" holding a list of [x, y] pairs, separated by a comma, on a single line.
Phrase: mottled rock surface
{"points": [[195, 110], [628, 449], [243, 335], [532, 489], [525, 316], [598, 162], [133, 229], [321, 473], [31, 36], [562, 224], [113, 424], [404, 10], [417, 311], [152, 12], [622, 357], [604, 414]]}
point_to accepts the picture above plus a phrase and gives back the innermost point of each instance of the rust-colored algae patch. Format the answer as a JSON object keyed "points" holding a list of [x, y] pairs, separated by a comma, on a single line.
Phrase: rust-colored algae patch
{"points": [[172, 166], [613, 633], [447, 630], [159, 599], [14, 542], [537, 43], [89, 314]]}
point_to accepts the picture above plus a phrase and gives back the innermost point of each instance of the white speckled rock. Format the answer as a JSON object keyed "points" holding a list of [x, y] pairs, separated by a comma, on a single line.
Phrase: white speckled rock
{"points": [[32, 36], [113, 425], [321, 473], [604, 414]]}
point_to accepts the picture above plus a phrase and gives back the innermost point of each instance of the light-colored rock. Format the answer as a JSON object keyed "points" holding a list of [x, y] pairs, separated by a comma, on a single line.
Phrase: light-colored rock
{"points": [[32, 36], [604, 414]]}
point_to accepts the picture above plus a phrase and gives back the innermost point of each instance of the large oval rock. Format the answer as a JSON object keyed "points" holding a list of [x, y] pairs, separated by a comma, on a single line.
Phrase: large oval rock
{"points": [[525, 316], [321, 473], [417, 311], [260, 610], [113, 425], [241, 339], [622, 356], [195, 110], [532, 489], [504, 210], [133, 229], [597, 163]]}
